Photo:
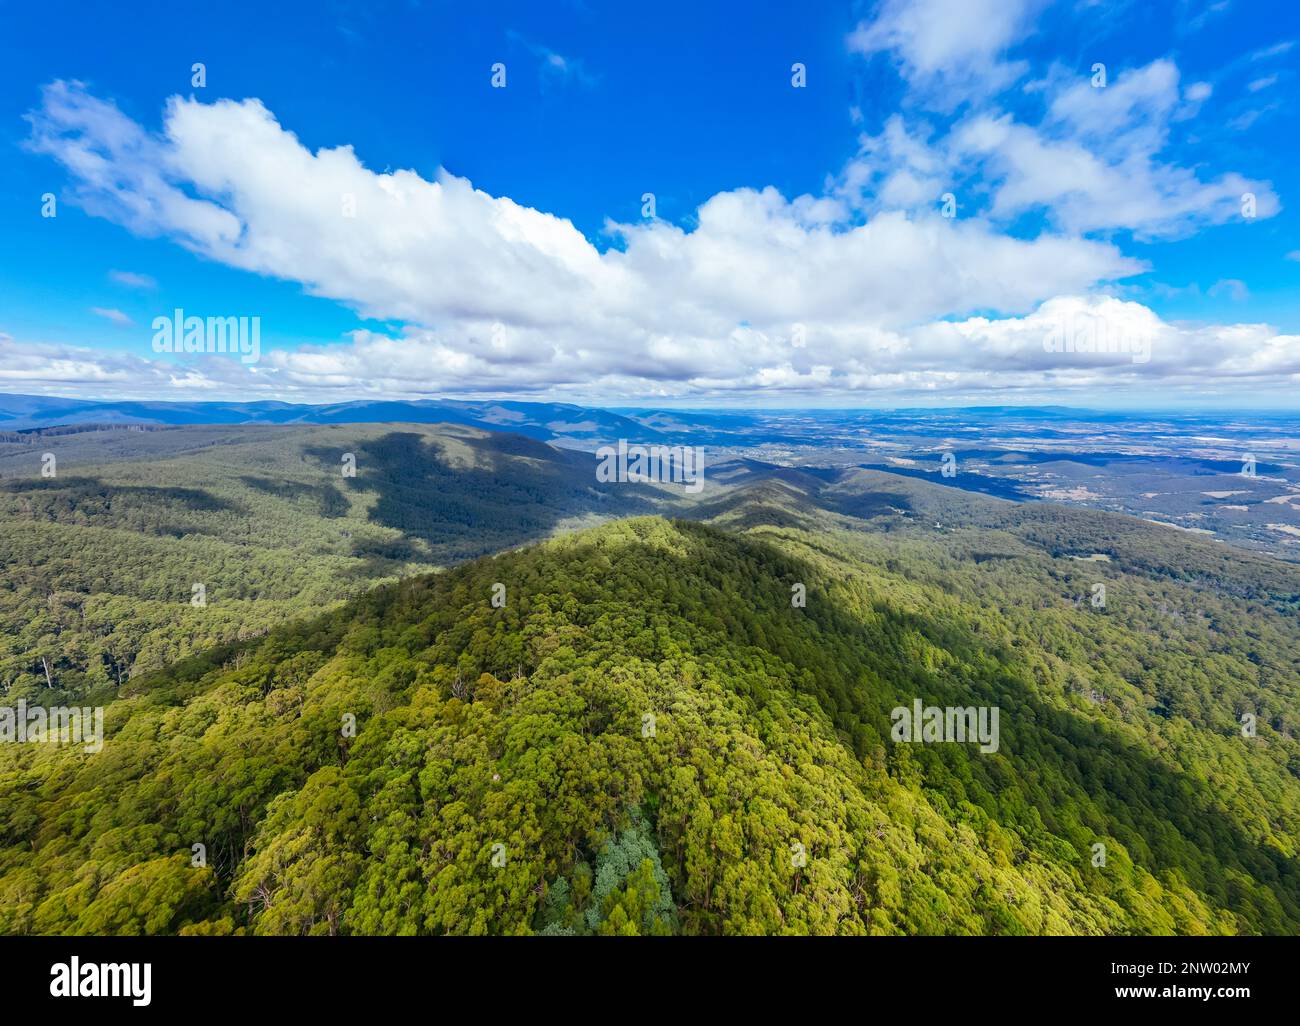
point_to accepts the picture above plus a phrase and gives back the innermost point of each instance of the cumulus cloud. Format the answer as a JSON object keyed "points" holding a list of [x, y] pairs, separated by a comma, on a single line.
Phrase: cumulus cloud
{"points": [[863, 289], [1069, 344], [497, 290], [80, 371], [1092, 164], [948, 49], [1093, 160]]}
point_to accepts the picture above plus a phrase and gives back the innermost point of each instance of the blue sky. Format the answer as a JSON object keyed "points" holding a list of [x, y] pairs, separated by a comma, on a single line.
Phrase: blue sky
{"points": [[1114, 206]]}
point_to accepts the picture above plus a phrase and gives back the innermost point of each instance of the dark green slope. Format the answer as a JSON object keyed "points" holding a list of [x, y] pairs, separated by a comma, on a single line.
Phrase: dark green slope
{"points": [[649, 737], [98, 564]]}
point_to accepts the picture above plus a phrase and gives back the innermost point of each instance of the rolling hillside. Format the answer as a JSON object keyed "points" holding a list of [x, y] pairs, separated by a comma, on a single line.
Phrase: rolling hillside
{"points": [[98, 565], [650, 737]]}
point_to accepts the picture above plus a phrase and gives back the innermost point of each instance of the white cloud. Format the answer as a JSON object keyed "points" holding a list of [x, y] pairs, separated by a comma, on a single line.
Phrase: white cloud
{"points": [[948, 49], [553, 65], [1234, 288], [1246, 119], [1117, 347], [119, 171], [78, 371], [1093, 163], [227, 181], [1095, 160], [132, 280], [110, 314], [1276, 50], [498, 298], [1201, 18]]}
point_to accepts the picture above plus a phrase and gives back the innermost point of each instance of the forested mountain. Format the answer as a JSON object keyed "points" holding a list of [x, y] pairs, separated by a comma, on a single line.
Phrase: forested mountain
{"points": [[650, 736], [99, 562]]}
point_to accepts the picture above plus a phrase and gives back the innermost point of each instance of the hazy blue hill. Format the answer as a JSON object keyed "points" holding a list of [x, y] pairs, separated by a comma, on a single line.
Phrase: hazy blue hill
{"points": [[537, 420]]}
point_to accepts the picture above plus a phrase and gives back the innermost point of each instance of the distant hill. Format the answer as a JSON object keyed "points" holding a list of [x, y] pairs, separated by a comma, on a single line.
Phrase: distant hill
{"points": [[99, 563], [535, 420]]}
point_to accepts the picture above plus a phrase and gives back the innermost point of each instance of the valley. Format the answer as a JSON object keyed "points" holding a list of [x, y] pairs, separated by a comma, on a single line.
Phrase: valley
{"points": [[646, 734]]}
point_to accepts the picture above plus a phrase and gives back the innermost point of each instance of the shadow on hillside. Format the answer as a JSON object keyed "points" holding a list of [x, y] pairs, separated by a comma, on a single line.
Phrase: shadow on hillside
{"points": [[865, 505], [517, 491], [1056, 768], [327, 499], [1053, 763], [981, 484], [149, 508]]}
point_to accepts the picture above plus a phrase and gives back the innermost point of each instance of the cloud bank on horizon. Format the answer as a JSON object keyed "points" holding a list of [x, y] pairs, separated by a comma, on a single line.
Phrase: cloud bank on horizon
{"points": [[967, 248]]}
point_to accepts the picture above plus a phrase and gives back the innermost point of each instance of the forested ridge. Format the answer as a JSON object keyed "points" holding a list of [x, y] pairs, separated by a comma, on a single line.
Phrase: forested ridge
{"points": [[98, 563], [648, 736]]}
